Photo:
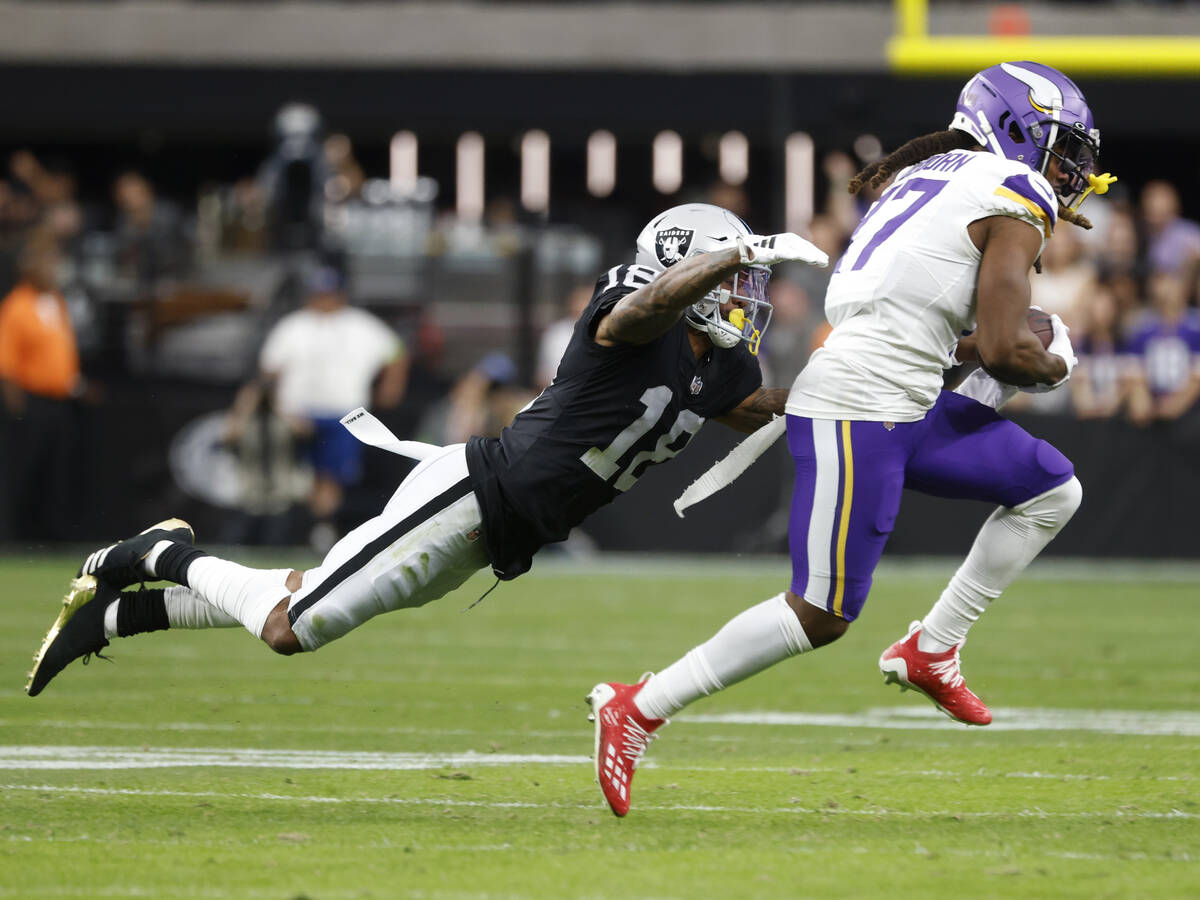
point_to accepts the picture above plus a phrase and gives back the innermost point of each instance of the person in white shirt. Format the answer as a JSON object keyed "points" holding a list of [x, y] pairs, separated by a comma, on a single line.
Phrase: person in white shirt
{"points": [[320, 362]]}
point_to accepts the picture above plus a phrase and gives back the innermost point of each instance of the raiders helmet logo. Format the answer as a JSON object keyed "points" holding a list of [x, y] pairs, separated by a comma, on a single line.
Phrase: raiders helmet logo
{"points": [[671, 244], [697, 385]]}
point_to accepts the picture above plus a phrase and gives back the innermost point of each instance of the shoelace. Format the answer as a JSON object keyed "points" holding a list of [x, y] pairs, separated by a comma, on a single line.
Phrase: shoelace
{"points": [[635, 739], [948, 671]]}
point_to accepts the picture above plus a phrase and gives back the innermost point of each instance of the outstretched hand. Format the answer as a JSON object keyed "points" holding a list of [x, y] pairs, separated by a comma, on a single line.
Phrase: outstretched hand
{"points": [[770, 249]]}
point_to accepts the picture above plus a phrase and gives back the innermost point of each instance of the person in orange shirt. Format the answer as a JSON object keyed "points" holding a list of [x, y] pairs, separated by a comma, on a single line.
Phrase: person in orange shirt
{"points": [[40, 378]]}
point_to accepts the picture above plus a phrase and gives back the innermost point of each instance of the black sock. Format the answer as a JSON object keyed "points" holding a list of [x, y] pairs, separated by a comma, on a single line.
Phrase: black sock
{"points": [[172, 564], [142, 611]]}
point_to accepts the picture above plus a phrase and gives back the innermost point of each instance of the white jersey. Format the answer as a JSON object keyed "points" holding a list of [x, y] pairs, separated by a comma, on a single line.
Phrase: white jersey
{"points": [[904, 291]]}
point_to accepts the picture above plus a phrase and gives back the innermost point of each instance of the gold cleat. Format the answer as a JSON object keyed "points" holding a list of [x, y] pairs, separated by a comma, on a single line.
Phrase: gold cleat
{"points": [[82, 590]]}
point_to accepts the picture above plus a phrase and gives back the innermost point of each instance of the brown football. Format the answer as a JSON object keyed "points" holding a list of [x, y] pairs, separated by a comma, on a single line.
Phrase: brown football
{"points": [[1039, 324]]}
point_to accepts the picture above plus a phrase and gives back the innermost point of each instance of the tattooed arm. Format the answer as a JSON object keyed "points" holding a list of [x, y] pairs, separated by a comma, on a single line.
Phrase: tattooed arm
{"points": [[756, 410], [640, 317]]}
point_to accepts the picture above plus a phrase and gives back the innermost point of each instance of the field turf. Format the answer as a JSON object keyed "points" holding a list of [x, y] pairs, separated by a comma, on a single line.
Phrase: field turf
{"points": [[443, 754]]}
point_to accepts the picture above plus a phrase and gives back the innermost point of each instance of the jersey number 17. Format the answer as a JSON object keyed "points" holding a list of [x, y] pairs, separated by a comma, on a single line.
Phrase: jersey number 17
{"points": [[928, 188]]}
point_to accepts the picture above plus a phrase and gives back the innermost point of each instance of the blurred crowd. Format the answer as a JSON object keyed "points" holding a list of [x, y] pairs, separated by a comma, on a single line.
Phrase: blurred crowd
{"points": [[1129, 288]]}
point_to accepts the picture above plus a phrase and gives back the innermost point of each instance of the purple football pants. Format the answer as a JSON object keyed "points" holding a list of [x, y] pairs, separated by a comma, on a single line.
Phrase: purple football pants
{"points": [[849, 476]]}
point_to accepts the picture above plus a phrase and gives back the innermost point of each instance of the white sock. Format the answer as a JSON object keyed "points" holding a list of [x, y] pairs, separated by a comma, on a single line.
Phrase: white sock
{"points": [[187, 609], [246, 595], [1007, 543], [110, 620], [751, 641], [152, 557]]}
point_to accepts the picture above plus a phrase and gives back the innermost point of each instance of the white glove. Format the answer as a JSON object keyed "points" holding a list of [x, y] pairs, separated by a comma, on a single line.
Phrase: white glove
{"points": [[769, 249], [1060, 345]]}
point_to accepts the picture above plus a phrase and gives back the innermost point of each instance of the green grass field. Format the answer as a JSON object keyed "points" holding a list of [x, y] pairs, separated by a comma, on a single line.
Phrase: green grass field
{"points": [[444, 754]]}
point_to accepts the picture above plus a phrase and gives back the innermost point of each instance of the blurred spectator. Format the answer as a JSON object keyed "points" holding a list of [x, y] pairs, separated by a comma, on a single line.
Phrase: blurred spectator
{"points": [[345, 175], [558, 334], [271, 479], [843, 209], [42, 196], [827, 233], [1116, 252], [293, 180], [39, 368], [1100, 383], [321, 362], [1127, 291], [1165, 351], [788, 339], [242, 221], [19, 209], [1172, 242], [729, 196], [428, 383], [152, 241], [482, 401], [1065, 275]]}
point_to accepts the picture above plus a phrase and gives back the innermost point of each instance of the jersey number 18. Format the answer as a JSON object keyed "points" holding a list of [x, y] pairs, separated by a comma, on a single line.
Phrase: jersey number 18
{"points": [[606, 463]]}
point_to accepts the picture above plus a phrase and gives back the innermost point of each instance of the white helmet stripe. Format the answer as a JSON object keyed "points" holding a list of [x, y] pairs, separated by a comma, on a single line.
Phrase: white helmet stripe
{"points": [[991, 135], [1042, 91]]}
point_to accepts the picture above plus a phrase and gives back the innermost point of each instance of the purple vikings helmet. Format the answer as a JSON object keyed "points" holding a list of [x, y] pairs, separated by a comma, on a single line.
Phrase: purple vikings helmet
{"points": [[1028, 112]]}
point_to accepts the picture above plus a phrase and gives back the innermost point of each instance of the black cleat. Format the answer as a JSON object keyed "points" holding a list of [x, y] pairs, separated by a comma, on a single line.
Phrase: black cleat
{"points": [[78, 631], [121, 564]]}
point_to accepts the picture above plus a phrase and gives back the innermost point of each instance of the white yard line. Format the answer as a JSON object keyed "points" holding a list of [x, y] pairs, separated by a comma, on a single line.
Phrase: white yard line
{"points": [[82, 758], [778, 566], [61, 757], [790, 809], [1180, 723], [1104, 721]]}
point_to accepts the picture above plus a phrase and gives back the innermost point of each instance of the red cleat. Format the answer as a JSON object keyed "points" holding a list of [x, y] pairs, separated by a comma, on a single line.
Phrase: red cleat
{"points": [[622, 734], [936, 675]]}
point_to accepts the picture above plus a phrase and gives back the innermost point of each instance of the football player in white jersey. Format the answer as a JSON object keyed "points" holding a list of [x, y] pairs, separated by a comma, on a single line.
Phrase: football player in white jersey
{"points": [[945, 251]]}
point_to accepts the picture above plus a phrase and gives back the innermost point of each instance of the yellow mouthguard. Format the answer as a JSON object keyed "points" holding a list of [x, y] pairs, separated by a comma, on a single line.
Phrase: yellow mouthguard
{"points": [[1100, 183]]}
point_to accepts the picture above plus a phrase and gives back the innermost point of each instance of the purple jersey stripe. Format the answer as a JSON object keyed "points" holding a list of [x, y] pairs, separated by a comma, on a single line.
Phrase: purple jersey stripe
{"points": [[1021, 184]]}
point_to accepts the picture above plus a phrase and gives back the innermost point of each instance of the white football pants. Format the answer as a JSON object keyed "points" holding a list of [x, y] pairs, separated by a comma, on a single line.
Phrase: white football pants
{"points": [[425, 543]]}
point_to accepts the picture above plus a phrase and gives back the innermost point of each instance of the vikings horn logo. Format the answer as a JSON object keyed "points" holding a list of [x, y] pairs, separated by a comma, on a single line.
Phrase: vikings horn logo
{"points": [[671, 244]]}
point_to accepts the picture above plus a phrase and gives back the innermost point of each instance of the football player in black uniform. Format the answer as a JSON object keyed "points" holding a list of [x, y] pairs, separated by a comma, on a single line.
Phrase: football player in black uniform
{"points": [[665, 344]]}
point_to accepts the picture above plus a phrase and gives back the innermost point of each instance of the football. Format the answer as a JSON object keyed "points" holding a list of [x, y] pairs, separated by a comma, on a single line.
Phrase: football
{"points": [[1039, 324]]}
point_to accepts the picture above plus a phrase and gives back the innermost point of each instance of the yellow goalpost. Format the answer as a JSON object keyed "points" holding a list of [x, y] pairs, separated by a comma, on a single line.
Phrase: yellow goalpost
{"points": [[913, 51]]}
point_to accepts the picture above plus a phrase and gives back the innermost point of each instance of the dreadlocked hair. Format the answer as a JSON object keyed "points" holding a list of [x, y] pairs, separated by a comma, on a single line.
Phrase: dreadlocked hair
{"points": [[920, 149], [917, 150], [1069, 215]]}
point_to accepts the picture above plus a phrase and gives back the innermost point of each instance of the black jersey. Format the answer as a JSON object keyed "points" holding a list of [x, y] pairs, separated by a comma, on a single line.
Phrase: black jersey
{"points": [[611, 413]]}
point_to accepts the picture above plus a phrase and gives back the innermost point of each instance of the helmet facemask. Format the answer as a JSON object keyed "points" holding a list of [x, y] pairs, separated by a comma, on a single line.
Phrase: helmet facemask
{"points": [[1078, 155], [749, 318]]}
